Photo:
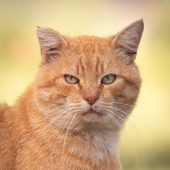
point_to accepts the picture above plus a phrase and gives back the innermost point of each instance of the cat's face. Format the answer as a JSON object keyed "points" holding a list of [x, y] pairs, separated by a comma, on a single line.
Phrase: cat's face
{"points": [[86, 80]]}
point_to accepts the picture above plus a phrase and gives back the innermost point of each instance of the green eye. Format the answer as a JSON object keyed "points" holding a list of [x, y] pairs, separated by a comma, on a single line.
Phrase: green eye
{"points": [[108, 79], [71, 79]]}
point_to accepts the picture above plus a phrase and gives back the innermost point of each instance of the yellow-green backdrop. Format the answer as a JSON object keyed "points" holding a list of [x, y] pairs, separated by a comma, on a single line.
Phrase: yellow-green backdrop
{"points": [[145, 140]]}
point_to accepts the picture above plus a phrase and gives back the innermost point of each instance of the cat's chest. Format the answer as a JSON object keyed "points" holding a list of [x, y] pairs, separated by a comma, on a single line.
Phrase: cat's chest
{"points": [[95, 145], [87, 149]]}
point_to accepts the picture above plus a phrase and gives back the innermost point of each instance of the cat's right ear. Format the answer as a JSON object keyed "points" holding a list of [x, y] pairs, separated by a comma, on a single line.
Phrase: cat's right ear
{"points": [[51, 43], [127, 41]]}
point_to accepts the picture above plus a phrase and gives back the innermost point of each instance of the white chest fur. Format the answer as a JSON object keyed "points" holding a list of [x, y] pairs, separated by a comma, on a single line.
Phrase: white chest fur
{"points": [[96, 145]]}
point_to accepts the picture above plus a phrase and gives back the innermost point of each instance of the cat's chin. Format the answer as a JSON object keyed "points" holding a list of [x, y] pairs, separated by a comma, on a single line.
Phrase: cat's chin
{"points": [[92, 116]]}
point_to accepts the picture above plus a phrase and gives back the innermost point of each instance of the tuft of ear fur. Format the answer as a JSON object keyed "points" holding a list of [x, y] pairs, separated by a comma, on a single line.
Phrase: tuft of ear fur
{"points": [[127, 41], [51, 43]]}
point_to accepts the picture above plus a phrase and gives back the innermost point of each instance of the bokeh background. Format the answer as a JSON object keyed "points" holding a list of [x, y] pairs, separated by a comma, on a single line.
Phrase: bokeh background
{"points": [[145, 140]]}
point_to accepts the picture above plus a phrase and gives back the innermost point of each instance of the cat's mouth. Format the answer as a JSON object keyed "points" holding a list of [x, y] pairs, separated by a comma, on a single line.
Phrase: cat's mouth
{"points": [[92, 116], [92, 112]]}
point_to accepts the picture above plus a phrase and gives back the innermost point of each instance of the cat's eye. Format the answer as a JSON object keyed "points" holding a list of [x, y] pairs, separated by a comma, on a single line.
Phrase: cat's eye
{"points": [[71, 79], [108, 79]]}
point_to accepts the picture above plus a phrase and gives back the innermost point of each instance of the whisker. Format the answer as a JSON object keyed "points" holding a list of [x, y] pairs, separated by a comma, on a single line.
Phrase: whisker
{"points": [[121, 118], [111, 103], [123, 104], [134, 127], [55, 127], [112, 117], [50, 122], [47, 117], [51, 115], [67, 135], [131, 143], [120, 110], [38, 121], [128, 114]]}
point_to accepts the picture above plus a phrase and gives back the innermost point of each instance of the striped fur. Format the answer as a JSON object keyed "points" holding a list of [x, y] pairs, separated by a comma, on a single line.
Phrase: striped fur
{"points": [[60, 126]]}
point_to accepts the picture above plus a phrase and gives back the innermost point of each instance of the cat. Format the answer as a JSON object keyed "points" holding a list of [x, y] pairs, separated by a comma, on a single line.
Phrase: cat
{"points": [[71, 117]]}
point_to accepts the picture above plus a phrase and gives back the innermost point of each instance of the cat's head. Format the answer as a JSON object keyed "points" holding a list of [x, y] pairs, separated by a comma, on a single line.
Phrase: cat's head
{"points": [[88, 79]]}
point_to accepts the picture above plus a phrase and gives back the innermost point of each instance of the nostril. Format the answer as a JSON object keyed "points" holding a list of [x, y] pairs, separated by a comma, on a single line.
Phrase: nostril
{"points": [[91, 99]]}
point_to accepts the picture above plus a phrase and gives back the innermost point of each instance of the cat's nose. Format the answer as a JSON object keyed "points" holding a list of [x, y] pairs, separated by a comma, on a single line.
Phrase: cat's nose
{"points": [[91, 99]]}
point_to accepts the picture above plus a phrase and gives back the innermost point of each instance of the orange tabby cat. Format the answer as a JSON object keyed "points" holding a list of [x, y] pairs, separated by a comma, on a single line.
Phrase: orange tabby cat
{"points": [[71, 116]]}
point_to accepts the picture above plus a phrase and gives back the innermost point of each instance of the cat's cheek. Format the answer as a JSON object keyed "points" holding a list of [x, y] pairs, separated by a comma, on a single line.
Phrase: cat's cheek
{"points": [[46, 94], [131, 92], [128, 94], [48, 99]]}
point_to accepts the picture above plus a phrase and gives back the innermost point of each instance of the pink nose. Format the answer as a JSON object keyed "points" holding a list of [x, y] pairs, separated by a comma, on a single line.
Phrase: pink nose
{"points": [[91, 99]]}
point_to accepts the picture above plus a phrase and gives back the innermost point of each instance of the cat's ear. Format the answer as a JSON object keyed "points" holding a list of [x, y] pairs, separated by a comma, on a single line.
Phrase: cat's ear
{"points": [[127, 41], [51, 43]]}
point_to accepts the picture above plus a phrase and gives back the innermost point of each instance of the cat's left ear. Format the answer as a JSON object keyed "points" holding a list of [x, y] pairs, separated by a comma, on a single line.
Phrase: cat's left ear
{"points": [[51, 43], [127, 41]]}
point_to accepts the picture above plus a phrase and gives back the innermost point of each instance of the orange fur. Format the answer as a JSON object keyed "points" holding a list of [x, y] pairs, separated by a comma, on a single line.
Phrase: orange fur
{"points": [[56, 125]]}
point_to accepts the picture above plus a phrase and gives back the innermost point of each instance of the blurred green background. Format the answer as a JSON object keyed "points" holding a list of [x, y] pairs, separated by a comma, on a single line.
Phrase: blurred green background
{"points": [[145, 141]]}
